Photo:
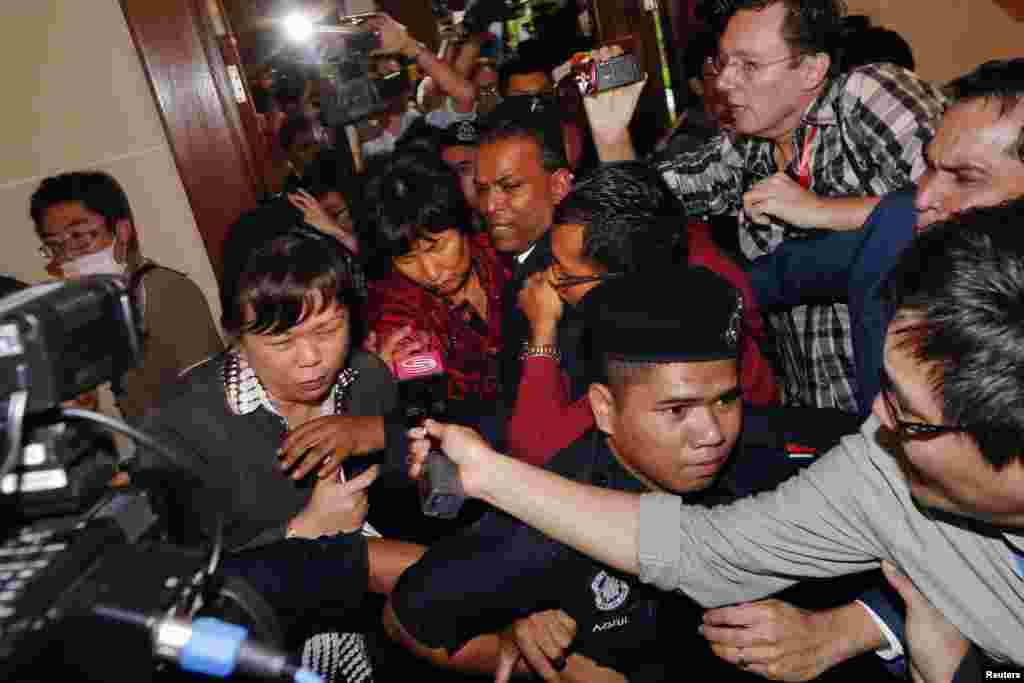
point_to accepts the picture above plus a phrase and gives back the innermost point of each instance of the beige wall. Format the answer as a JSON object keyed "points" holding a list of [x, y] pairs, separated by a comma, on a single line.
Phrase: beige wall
{"points": [[77, 98], [949, 37]]}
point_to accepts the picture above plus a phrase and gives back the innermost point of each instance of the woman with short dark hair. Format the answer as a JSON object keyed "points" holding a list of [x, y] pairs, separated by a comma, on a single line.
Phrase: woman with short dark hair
{"points": [[435, 275], [292, 371]]}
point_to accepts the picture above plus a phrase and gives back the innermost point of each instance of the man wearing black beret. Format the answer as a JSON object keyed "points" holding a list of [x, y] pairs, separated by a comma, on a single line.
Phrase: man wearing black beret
{"points": [[669, 418], [459, 143]]}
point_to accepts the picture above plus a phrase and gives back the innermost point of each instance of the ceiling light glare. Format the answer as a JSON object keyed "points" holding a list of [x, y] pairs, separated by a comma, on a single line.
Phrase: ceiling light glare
{"points": [[298, 27]]}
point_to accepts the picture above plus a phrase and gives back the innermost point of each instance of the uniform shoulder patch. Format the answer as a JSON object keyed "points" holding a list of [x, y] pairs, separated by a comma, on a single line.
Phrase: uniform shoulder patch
{"points": [[609, 592]]}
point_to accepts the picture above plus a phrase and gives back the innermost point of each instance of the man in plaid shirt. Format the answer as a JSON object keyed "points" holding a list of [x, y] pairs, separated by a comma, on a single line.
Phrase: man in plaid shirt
{"points": [[803, 149]]}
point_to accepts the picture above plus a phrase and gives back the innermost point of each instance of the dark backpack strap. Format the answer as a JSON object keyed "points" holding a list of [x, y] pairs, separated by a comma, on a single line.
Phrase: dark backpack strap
{"points": [[135, 279], [134, 284]]}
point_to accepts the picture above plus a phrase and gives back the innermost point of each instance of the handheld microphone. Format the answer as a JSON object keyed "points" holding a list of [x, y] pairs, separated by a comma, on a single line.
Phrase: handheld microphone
{"points": [[423, 388]]}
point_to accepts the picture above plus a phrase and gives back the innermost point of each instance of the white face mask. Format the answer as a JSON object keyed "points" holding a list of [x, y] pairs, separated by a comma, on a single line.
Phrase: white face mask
{"points": [[100, 263]]}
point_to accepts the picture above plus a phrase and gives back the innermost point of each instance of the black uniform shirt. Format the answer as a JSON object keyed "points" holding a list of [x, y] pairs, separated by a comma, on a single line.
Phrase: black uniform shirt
{"points": [[501, 569]]}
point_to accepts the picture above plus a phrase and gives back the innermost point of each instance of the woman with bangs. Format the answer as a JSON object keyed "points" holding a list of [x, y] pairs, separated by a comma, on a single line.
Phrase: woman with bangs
{"points": [[434, 277], [262, 421]]}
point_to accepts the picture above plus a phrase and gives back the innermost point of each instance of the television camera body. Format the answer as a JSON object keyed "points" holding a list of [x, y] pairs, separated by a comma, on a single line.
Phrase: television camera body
{"points": [[347, 47], [90, 583]]}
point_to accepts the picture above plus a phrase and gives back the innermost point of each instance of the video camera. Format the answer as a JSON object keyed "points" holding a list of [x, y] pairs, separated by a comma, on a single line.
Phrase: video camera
{"points": [[58, 341], [346, 48], [84, 567]]}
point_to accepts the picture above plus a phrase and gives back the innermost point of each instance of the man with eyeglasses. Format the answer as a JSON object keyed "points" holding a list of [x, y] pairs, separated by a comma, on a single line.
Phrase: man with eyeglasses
{"points": [[667, 417], [808, 149], [86, 227], [932, 486], [975, 159], [619, 219]]}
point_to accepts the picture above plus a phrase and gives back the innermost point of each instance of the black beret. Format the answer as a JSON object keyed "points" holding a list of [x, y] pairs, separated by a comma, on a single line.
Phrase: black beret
{"points": [[666, 316], [460, 133]]}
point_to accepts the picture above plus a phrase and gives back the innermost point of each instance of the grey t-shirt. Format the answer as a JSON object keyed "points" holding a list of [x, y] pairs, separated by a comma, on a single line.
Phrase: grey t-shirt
{"points": [[843, 514]]}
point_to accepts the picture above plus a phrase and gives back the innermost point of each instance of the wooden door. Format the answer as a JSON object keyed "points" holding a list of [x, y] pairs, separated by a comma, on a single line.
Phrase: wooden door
{"points": [[181, 55]]}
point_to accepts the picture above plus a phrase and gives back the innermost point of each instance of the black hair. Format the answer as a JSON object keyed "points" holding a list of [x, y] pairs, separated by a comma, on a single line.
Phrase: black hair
{"points": [[97, 191], [294, 126], [960, 286], [290, 87], [867, 44], [274, 265], [630, 218], [420, 138], [262, 99], [406, 196], [620, 373], [512, 120], [699, 47], [532, 57], [810, 26], [1001, 81], [326, 175]]}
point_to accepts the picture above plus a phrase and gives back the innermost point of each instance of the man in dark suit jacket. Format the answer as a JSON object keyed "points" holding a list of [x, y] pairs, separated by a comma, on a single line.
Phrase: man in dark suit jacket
{"points": [[522, 175]]}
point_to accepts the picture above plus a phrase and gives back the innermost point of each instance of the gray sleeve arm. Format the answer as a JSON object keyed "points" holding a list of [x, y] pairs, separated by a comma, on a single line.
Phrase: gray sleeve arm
{"points": [[812, 525]]}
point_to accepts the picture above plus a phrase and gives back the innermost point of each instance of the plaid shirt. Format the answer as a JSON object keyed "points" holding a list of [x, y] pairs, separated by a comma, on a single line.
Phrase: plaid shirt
{"points": [[871, 126]]}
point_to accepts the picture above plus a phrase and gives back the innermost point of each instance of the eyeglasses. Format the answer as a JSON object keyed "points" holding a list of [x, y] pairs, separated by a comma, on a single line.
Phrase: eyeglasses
{"points": [[746, 68], [562, 281], [72, 240], [913, 430]]}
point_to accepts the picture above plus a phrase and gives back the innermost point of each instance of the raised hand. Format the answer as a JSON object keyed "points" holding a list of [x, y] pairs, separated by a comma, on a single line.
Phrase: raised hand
{"points": [[542, 306], [325, 442], [335, 507], [542, 639]]}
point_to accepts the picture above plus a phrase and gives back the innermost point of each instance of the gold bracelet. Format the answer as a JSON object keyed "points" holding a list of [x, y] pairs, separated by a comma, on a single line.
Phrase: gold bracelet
{"points": [[540, 351]]}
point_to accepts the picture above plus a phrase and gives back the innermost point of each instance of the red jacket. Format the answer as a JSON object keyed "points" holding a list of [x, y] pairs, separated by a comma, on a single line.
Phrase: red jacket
{"points": [[544, 421], [470, 350]]}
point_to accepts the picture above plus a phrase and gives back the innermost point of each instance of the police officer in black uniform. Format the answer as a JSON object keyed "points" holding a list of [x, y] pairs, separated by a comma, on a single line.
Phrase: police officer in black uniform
{"points": [[668, 417]]}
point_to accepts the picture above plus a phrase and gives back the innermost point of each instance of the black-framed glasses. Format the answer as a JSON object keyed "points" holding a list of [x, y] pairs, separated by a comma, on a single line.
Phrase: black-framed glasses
{"points": [[55, 247], [562, 281], [746, 68], [913, 430]]}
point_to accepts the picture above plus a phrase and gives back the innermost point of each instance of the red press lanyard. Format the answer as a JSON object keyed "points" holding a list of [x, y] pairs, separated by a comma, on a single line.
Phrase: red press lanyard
{"points": [[805, 159]]}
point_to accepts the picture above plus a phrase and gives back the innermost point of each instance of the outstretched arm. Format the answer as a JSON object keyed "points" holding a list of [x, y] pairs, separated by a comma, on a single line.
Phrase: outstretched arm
{"points": [[600, 523], [395, 38]]}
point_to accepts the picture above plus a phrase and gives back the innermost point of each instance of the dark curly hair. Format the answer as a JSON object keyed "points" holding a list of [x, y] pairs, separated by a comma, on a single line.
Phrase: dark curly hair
{"points": [[406, 196], [630, 218]]}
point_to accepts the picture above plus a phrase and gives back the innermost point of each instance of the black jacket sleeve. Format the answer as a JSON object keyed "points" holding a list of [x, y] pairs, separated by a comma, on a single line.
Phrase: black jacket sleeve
{"points": [[478, 581]]}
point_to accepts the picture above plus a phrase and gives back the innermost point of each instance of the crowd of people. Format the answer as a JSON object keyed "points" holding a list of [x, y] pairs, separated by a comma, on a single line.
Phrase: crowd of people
{"points": [[749, 402]]}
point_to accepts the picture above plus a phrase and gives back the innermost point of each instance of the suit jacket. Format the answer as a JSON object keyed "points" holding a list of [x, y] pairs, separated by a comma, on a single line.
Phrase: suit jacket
{"points": [[845, 265], [515, 330]]}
